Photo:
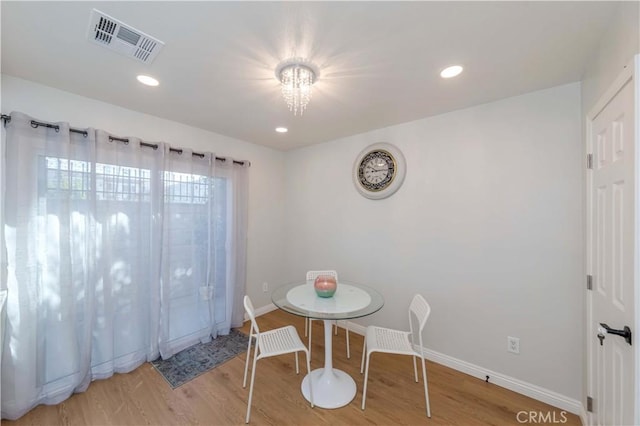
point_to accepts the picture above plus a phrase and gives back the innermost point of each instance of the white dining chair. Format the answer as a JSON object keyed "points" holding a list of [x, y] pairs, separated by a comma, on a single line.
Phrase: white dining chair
{"points": [[379, 339], [280, 341], [311, 277]]}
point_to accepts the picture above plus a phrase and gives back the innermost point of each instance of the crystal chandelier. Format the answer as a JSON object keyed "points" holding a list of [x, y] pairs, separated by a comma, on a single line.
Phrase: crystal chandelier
{"points": [[297, 80]]}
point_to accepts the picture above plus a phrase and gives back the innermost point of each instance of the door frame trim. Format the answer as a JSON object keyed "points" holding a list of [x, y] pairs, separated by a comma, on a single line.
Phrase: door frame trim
{"points": [[636, 76], [630, 72]]}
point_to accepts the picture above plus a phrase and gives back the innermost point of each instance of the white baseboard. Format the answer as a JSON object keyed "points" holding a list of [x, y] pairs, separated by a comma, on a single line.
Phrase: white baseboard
{"points": [[353, 327], [265, 309], [261, 311], [533, 391], [536, 392]]}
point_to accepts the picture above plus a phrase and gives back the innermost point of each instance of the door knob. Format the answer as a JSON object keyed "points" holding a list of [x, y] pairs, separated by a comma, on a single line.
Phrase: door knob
{"points": [[625, 332]]}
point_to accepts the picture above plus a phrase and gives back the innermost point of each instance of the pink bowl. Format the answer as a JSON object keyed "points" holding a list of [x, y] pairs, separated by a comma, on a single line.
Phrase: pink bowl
{"points": [[325, 285]]}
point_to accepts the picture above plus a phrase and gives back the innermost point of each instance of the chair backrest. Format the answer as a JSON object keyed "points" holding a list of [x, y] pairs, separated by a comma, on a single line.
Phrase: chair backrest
{"points": [[248, 307], [312, 275], [421, 310]]}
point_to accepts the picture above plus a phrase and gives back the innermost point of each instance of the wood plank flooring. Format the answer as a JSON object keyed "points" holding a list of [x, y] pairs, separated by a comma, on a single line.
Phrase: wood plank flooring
{"points": [[142, 397]]}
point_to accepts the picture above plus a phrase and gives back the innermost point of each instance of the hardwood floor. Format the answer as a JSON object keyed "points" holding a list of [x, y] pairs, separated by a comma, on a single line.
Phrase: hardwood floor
{"points": [[217, 397]]}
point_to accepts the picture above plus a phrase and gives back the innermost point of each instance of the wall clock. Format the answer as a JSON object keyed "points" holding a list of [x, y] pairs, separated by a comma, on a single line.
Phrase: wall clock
{"points": [[379, 170]]}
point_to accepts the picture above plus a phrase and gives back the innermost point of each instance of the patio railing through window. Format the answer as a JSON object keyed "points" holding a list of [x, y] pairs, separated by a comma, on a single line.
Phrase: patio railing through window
{"points": [[73, 178]]}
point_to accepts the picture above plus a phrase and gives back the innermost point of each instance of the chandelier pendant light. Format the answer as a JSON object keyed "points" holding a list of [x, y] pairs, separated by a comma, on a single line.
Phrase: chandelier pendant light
{"points": [[297, 80]]}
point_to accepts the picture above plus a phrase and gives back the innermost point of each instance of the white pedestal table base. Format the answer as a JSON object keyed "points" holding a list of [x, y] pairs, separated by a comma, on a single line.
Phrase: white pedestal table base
{"points": [[331, 388]]}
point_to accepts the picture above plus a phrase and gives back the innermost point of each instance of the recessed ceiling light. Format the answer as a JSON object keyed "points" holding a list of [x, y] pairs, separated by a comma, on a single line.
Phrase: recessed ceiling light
{"points": [[282, 129], [451, 71], [149, 81]]}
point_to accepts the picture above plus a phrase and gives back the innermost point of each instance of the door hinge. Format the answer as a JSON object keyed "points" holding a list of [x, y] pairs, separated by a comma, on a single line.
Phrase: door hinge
{"points": [[589, 404], [589, 282], [589, 161]]}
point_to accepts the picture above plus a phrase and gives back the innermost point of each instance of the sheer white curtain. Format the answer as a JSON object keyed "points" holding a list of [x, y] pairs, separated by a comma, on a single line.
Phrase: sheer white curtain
{"points": [[123, 179], [50, 300], [237, 180], [188, 250], [115, 253]]}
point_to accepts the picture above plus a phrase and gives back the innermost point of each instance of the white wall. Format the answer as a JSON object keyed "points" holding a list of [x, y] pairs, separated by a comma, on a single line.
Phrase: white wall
{"points": [[486, 226], [617, 48], [266, 213]]}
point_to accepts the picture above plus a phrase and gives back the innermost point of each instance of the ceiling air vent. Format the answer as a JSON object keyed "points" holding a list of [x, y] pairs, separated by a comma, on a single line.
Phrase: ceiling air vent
{"points": [[115, 35]]}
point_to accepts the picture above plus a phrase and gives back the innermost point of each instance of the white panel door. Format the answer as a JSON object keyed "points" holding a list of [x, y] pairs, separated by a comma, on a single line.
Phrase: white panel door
{"points": [[612, 233]]}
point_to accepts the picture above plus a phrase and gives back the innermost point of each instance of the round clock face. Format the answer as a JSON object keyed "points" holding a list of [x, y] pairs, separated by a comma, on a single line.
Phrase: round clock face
{"points": [[379, 171]]}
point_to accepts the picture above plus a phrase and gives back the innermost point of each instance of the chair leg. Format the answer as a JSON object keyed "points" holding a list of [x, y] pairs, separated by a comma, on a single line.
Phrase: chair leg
{"points": [[306, 326], [346, 329], [415, 369], [297, 368], [366, 376], [253, 376], [310, 333], [426, 389], [336, 324], [246, 364], [364, 351]]}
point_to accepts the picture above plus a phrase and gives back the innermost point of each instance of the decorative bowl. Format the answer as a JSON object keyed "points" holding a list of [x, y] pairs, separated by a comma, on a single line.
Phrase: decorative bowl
{"points": [[325, 285]]}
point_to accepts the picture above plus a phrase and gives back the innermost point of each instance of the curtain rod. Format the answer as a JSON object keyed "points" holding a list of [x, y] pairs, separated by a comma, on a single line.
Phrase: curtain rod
{"points": [[35, 124]]}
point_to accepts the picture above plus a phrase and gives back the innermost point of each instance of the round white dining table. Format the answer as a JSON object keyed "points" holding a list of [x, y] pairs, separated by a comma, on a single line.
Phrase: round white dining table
{"points": [[332, 388]]}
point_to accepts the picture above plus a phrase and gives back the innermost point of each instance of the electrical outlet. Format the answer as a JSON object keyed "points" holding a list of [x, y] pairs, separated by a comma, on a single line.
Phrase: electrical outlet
{"points": [[265, 287], [513, 344]]}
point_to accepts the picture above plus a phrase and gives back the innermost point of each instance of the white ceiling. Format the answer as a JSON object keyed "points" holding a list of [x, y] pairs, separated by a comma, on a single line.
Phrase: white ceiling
{"points": [[379, 61]]}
